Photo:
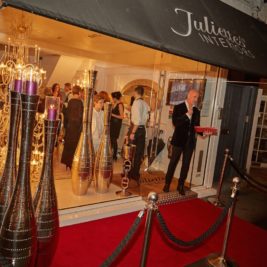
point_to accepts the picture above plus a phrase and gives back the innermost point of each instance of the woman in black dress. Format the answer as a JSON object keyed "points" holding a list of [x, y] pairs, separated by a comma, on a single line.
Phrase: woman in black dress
{"points": [[74, 119], [116, 121]]}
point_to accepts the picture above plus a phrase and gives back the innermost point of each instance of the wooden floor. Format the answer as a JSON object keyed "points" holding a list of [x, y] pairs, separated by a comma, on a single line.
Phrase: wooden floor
{"points": [[152, 181], [149, 181]]}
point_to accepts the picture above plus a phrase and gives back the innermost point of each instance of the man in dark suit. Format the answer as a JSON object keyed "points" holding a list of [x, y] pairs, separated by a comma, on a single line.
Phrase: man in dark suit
{"points": [[184, 118]]}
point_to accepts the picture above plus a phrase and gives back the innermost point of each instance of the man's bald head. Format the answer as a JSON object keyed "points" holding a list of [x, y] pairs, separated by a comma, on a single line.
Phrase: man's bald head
{"points": [[192, 97]]}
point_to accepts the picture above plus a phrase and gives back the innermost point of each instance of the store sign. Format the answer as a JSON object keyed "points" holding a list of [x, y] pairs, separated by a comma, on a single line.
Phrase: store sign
{"points": [[205, 30], [210, 33]]}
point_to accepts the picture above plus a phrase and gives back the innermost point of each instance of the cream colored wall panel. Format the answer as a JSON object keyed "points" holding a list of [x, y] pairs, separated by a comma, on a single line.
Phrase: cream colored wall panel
{"points": [[65, 70]]}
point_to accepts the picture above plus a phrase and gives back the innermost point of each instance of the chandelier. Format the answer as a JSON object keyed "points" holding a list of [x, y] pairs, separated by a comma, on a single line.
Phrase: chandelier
{"points": [[19, 65], [20, 61], [83, 80]]}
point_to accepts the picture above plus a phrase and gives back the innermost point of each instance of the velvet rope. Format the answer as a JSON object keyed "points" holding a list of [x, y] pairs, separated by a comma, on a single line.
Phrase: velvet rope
{"points": [[251, 181], [201, 238], [124, 241]]}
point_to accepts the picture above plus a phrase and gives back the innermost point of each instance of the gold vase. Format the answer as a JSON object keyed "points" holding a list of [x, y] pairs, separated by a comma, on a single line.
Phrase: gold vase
{"points": [[103, 164], [83, 161]]}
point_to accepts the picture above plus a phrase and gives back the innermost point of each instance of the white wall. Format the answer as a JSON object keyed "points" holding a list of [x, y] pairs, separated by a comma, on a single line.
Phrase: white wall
{"points": [[255, 8], [263, 13], [117, 78], [49, 63], [65, 70], [241, 5], [216, 105], [101, 79]]}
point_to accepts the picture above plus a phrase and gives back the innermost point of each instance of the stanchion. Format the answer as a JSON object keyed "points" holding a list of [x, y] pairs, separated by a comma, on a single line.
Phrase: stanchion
{"points": [[128, 154], [216, 260], [151, 208], [216, 200]]}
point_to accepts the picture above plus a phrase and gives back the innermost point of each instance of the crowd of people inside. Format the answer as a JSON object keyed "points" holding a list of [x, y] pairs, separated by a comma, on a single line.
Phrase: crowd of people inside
{"points": [[71, 116], [128, 122]]}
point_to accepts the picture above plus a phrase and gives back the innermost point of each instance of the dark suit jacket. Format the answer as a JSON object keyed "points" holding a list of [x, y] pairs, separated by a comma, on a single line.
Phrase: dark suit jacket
{"points": [[184, 128]]}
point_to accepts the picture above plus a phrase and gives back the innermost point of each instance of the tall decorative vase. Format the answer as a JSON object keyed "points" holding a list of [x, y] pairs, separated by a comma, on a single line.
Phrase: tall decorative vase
{"points": [[83, 161], [45, 201], [18, 242], [8, 178], [103, 164]]}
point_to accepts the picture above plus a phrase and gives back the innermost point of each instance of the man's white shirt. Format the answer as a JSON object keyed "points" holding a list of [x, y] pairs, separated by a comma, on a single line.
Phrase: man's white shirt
{"points": [[139, 112]]}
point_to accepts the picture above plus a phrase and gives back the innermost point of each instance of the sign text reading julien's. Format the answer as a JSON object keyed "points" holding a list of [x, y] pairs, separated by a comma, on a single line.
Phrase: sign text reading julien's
{"points": [[210, 33]]}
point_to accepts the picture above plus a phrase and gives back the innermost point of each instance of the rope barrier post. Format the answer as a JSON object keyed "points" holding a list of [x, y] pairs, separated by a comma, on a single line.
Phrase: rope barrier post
{"points": [[221, 260], [216, 200], [249, 179], [151, 208], [124, 242], [215, 260]]}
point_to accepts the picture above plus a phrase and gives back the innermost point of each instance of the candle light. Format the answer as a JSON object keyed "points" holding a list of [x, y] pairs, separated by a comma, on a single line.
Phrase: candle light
{"points": [[31, 88], [52, 113], [18, 86], [31, 85]]}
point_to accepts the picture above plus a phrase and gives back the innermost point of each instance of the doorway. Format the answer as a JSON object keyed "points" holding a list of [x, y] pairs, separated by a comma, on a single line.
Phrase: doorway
{"points": [[237, 119]]}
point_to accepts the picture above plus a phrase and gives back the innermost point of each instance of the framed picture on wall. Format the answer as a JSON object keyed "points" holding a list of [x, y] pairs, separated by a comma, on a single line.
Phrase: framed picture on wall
{"points": [[178, 90]]}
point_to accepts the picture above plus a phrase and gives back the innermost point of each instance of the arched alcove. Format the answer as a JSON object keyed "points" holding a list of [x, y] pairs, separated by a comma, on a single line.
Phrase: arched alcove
{"points": [[150, 95]]}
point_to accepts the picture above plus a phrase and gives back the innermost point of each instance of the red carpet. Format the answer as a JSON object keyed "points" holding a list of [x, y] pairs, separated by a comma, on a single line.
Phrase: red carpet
{"points": [[89, 244]]}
